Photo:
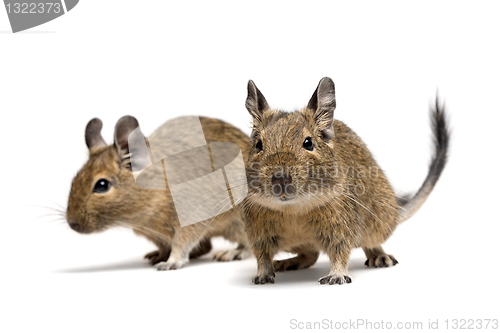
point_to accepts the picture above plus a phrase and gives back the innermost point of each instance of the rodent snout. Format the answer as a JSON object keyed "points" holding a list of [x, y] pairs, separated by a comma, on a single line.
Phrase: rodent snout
{"points": [[75, 226], [282, 185], [281, 180]]}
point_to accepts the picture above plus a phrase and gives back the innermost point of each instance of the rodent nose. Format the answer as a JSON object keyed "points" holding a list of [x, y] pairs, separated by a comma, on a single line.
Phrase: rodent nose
{"points": [[280, 179], [75, 226]]}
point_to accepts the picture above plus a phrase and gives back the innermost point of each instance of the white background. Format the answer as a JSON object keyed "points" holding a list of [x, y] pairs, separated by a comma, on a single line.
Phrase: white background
{"points": [[160, 59]]}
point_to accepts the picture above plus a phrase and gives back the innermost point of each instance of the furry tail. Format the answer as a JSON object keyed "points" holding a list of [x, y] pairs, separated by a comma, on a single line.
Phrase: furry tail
{"points": [[441, 138]]}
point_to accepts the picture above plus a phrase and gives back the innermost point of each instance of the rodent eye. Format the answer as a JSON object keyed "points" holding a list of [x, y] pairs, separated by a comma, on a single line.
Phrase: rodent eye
{"points": [[308, 144], [102, 186], [258, 146]]}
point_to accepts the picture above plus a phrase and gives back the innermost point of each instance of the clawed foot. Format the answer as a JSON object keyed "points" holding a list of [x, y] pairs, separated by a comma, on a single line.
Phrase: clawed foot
{"points": [[236, 254], [384, 260], [335, 279], [170, 265], [156, 257], [263, 279]]}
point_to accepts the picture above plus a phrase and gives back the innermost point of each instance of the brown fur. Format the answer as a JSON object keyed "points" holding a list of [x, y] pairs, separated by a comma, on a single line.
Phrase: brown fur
{"points": [[148, 212], [330, 204]]}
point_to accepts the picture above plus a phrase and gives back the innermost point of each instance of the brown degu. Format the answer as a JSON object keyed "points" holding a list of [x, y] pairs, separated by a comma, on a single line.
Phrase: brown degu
{"points": [[315, 187], [104, 194]]}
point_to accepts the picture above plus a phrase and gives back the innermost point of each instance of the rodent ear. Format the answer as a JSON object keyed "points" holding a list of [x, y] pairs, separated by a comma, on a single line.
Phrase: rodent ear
{"points": [[323, 104], [93, 137], [123, 128], [256, 102]]}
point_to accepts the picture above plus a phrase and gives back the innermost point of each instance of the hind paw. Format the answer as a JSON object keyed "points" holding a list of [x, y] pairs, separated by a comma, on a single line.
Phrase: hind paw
{"points": [[291, 264], [236, 254], [385, 260], [156, 257]]}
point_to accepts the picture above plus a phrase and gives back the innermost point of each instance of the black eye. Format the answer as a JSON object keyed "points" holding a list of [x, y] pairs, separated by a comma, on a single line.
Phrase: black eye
{"points": [[102, 186], [258, 146], [308, 144]]}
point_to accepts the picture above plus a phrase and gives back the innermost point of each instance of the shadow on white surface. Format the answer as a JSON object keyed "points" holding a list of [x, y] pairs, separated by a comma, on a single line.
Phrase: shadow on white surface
{"points": [[135, 264], [119, 266]]}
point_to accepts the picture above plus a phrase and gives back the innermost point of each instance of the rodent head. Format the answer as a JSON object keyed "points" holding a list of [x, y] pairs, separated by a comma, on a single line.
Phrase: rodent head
{"points": [[104, 193], [292, 153]]}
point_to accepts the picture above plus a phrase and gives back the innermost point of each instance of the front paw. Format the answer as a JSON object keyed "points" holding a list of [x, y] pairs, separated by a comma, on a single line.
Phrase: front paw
{"points": [[156, 257], [335, 279], [170, 265], [385, 260], [263, 279]]}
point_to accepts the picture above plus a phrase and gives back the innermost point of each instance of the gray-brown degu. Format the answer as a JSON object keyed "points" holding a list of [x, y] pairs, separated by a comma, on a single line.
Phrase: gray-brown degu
{"points": [[104, 194], [300, 198]]}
